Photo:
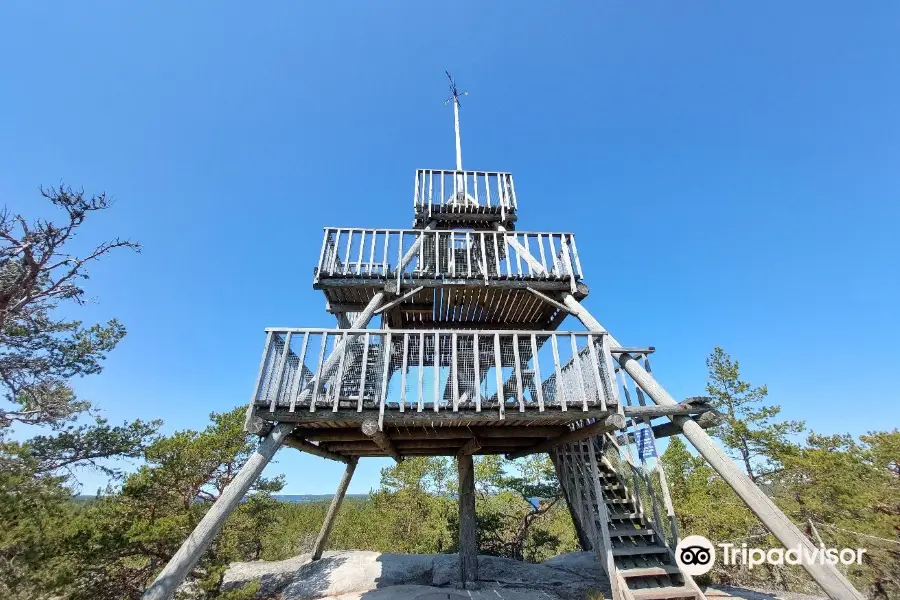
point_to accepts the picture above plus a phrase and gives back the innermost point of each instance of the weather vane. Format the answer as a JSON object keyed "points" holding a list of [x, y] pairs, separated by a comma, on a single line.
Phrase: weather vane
{"points": [[454, 97]]}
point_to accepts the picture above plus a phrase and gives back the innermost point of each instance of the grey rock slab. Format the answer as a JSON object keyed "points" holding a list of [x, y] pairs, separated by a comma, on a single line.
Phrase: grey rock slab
{"points": [[584, 564], [419, 592], [273, 575], [357, 571]]}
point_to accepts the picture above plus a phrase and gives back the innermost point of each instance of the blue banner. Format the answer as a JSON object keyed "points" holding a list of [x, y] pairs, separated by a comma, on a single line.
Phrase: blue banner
{"points": [[644, 439]]}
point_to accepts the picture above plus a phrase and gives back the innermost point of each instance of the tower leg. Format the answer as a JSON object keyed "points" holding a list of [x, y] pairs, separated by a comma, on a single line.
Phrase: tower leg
{"points": [[827, 576], [163, 587], [468, 544], [187, 556], [331, 515]]}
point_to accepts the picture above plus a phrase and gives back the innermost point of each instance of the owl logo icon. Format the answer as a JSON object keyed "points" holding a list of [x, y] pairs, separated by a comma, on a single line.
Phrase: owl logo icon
{"points": [[695, 555]]}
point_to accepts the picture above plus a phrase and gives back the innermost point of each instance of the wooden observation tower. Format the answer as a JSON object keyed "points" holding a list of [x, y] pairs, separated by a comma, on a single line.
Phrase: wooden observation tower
{"points": [[467, 359]]}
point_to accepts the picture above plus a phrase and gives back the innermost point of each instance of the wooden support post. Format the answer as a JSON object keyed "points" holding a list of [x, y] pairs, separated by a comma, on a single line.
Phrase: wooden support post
{"points": [[611, 423], [331, 515], [165, 584], [468, 543], [832, 581], [370, 428]]}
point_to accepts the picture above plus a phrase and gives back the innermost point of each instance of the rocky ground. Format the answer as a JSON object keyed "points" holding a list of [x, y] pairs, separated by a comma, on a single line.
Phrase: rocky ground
{"points": [[363, 575]]}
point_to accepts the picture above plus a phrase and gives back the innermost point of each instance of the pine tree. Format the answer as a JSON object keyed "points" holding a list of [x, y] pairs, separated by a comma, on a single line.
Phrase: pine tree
{"points": [[751, 433]]}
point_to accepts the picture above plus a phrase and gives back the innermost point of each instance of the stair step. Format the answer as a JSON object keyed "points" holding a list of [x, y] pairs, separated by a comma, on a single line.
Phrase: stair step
{"points": [[619, 516], [659, 571], [663, 593], [630, 532], [637, 550], [617, 500]]}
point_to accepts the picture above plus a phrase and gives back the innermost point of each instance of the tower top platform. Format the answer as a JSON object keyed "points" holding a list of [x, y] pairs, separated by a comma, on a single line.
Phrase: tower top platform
{"points": [[470, 199]]}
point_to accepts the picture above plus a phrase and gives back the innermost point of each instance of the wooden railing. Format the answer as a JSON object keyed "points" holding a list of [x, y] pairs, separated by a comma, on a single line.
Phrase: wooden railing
{"points": [[464, 191], [376, 253], [378, 369]]}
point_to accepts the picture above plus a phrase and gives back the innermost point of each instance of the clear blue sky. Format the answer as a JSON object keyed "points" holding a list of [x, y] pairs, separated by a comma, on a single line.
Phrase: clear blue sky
{"points": [[730, 170]]}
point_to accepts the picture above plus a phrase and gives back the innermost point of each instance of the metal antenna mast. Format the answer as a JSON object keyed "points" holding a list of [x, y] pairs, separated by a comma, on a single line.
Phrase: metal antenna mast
{"points": [[454, 97]]}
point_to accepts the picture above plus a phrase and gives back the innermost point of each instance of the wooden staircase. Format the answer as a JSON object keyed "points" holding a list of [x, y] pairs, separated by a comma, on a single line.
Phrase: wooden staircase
{"points": [[629, 544]]}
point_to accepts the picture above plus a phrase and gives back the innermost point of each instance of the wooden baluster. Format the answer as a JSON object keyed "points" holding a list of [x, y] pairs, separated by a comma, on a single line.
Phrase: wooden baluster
{"points": [[298, 380], [386, 373], [362, 374], [539, 391], [340, 373], [520, 392], [421, 398], [560, 393], [317, 381], [498, 368], [477, 373]]}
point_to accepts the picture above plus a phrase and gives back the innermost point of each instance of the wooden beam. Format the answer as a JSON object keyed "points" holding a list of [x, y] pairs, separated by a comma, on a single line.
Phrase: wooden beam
{"points": [[370, 428], [550, 300], [446, 418], [357, 307], [470, 447], [399, 299], [345, 434], [331, 515], [406, 446], [305, 446], [668, 429], [610, 423], [468, 543], [651, 412]]}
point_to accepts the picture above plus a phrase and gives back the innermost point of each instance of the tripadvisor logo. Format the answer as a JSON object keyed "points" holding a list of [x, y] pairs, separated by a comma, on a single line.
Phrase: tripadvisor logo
{"points": [[696, 555]]}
